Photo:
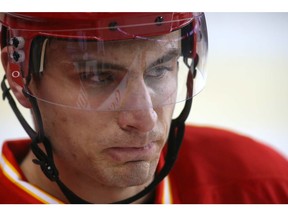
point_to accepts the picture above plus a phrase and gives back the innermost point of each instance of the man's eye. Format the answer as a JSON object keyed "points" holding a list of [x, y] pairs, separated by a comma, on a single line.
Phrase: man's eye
{"points": [[99, 78], [158, 72]]}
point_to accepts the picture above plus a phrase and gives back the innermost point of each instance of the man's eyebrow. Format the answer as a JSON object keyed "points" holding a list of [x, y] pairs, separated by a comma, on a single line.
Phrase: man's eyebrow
{"points": [[99, 65], [173, 53]]}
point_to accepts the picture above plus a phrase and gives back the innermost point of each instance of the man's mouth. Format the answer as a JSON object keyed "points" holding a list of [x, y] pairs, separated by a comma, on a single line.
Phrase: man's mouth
{"points": [[129, 154]]}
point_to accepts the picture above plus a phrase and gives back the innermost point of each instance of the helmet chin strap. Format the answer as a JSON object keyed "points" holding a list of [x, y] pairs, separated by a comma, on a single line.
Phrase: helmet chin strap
{"points": [[45, 158]]}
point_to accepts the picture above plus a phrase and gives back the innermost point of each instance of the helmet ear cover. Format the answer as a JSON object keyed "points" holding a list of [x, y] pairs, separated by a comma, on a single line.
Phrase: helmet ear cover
{"points": [[187, 42], [188, 47], [9, 67]]}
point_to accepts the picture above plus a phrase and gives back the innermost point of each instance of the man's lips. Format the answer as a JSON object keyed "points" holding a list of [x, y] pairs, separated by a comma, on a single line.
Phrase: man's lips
{"points": [[129, 154]]}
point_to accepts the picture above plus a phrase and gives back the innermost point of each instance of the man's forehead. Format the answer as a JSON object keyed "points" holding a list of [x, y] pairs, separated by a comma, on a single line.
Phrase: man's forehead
{"points": [[118, 52], [167, 40]]}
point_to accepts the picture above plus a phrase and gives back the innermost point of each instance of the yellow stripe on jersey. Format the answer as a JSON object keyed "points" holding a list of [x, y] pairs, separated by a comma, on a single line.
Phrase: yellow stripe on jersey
{"points": [[167, 192]]}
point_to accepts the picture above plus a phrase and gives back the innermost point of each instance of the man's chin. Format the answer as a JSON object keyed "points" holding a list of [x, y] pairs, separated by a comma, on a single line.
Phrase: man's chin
{"points": [[135, 173]]}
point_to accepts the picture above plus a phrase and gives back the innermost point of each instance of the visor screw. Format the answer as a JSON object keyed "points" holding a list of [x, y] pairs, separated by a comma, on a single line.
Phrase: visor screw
{"points": [[113, 26], [18, 56], [17, 42], [159, 20]]}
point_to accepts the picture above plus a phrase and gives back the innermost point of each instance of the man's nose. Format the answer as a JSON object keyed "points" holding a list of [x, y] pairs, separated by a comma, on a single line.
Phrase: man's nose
{"points": [[137, 109]]}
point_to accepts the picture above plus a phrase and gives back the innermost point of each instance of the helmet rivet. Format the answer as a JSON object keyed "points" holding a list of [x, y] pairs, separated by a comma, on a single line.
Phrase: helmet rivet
{"points": [[113, 26], [14, 41], [159, 20], [18, 56], [17, 42], [15, 74]]}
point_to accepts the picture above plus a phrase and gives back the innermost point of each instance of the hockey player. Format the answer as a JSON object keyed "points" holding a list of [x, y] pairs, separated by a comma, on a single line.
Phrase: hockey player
{"points": [[109, 94]]}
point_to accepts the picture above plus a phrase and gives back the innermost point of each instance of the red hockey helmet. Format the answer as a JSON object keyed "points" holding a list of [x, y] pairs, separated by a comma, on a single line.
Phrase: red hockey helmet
{"points": [[79, 44]]}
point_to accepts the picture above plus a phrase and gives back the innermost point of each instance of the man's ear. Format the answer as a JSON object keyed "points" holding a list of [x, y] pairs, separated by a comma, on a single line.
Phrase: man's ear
{"points": [[9, 69]]}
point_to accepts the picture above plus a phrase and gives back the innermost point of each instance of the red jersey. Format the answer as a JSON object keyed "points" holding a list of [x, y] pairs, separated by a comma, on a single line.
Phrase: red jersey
{"points": [[213, 166]]}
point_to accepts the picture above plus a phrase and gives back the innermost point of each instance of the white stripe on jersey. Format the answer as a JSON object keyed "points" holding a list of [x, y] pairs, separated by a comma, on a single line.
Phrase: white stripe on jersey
{"points": [[167, 193]]}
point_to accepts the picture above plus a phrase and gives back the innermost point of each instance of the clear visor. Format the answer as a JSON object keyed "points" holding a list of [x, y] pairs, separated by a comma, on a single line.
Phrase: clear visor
{"points": [[129, 74]]}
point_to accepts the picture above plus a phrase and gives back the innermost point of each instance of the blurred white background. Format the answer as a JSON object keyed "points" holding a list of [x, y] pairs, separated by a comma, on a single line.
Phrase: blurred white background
{"points": [[247, 86], [246, 90]]}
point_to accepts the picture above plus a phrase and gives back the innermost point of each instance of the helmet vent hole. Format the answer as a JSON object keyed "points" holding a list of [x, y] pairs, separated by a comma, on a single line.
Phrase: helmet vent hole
{"points": [[113, 26], [159, 20]]}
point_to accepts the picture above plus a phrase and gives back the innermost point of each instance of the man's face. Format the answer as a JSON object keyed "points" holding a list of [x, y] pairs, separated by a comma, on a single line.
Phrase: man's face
{"points": [[116, 107]]}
